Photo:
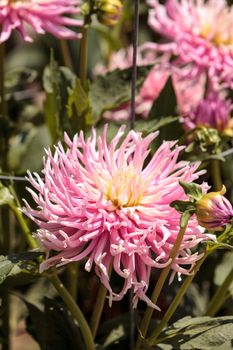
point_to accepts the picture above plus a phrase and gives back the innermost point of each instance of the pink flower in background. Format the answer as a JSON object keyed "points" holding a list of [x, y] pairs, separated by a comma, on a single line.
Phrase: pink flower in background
{"points": [[41, 15], [110, 204], [197, 31], [214, 111], [151, 88]]}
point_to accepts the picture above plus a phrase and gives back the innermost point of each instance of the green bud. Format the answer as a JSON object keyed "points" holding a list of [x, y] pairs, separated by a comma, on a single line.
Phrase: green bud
{"points": [[108, 12]]}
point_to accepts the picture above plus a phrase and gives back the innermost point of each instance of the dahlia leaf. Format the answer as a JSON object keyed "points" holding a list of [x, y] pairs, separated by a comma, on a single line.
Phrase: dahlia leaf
{"points": [[63, 332], [18, 264], [182, 206], [112, 90], [199, 333], [161, 106], [148, 126], [192, 190]]}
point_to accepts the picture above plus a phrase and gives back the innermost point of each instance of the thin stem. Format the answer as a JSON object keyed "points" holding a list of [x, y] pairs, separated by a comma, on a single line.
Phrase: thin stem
{"points": [[2, 85], [220, 296], [99, 305], [3, 118], [66, 54], [216, 174], [176, 301], [74, 310], [83, 52], [5, 326], [134, 67], [72, 279], [159, 285], [25, 229]]}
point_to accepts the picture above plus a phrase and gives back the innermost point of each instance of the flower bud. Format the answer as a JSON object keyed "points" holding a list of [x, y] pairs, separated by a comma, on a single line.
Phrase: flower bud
{"points": [[109, 12], [214, 211]]}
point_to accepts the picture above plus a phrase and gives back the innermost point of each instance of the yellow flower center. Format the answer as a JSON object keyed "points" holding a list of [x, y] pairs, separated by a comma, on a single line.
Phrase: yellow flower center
{"points": [[217, 28], [126, 187]]}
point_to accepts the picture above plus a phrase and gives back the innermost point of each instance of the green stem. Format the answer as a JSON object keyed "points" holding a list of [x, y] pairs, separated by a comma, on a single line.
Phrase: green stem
{"points": [[159, 285], [72, 279], [216, 174], [25, 229], [152, 340], [74, 310], [5, 326], [220, 296], [97, 312], [3, 118], [66, 54], [83, 53]]}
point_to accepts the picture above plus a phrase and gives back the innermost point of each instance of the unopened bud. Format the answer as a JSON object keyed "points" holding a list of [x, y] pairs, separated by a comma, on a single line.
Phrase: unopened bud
{"points": [[214, 211], [109, 12]]}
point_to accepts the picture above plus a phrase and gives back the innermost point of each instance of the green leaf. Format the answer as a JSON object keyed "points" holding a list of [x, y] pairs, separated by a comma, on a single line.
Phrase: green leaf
{"points": [[57, 82], [182, 206], [79, 109], [5, 195], [53, 327], [114, 334], [192, 190], [148, 126], [27, 149], [16, 264], [200, 333], [165, 104], [113, 89]]}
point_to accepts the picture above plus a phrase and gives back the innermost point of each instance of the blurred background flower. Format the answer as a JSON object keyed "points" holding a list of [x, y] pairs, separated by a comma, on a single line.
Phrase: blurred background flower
{"points": [[51, 16]]}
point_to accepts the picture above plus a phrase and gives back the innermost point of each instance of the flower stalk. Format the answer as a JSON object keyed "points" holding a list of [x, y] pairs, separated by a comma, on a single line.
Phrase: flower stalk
{"points": [[162, 279], [216, 174], [153, 339], [74, 310], [220, 296], [97, 312], [25, 229], [66, 54]]}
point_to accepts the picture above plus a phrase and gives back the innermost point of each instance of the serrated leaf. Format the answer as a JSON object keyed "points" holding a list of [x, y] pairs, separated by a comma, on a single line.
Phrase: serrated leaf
{"points": [[15, 264], [112, 90], [192, 190], [200, 333]]}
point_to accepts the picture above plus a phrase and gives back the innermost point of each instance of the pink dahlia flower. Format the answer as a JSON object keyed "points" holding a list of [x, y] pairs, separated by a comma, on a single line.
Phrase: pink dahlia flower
{"points": [[151, 88], [214, 211], [214, 111], [198, 31], [41, 15], [110, 204]]}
